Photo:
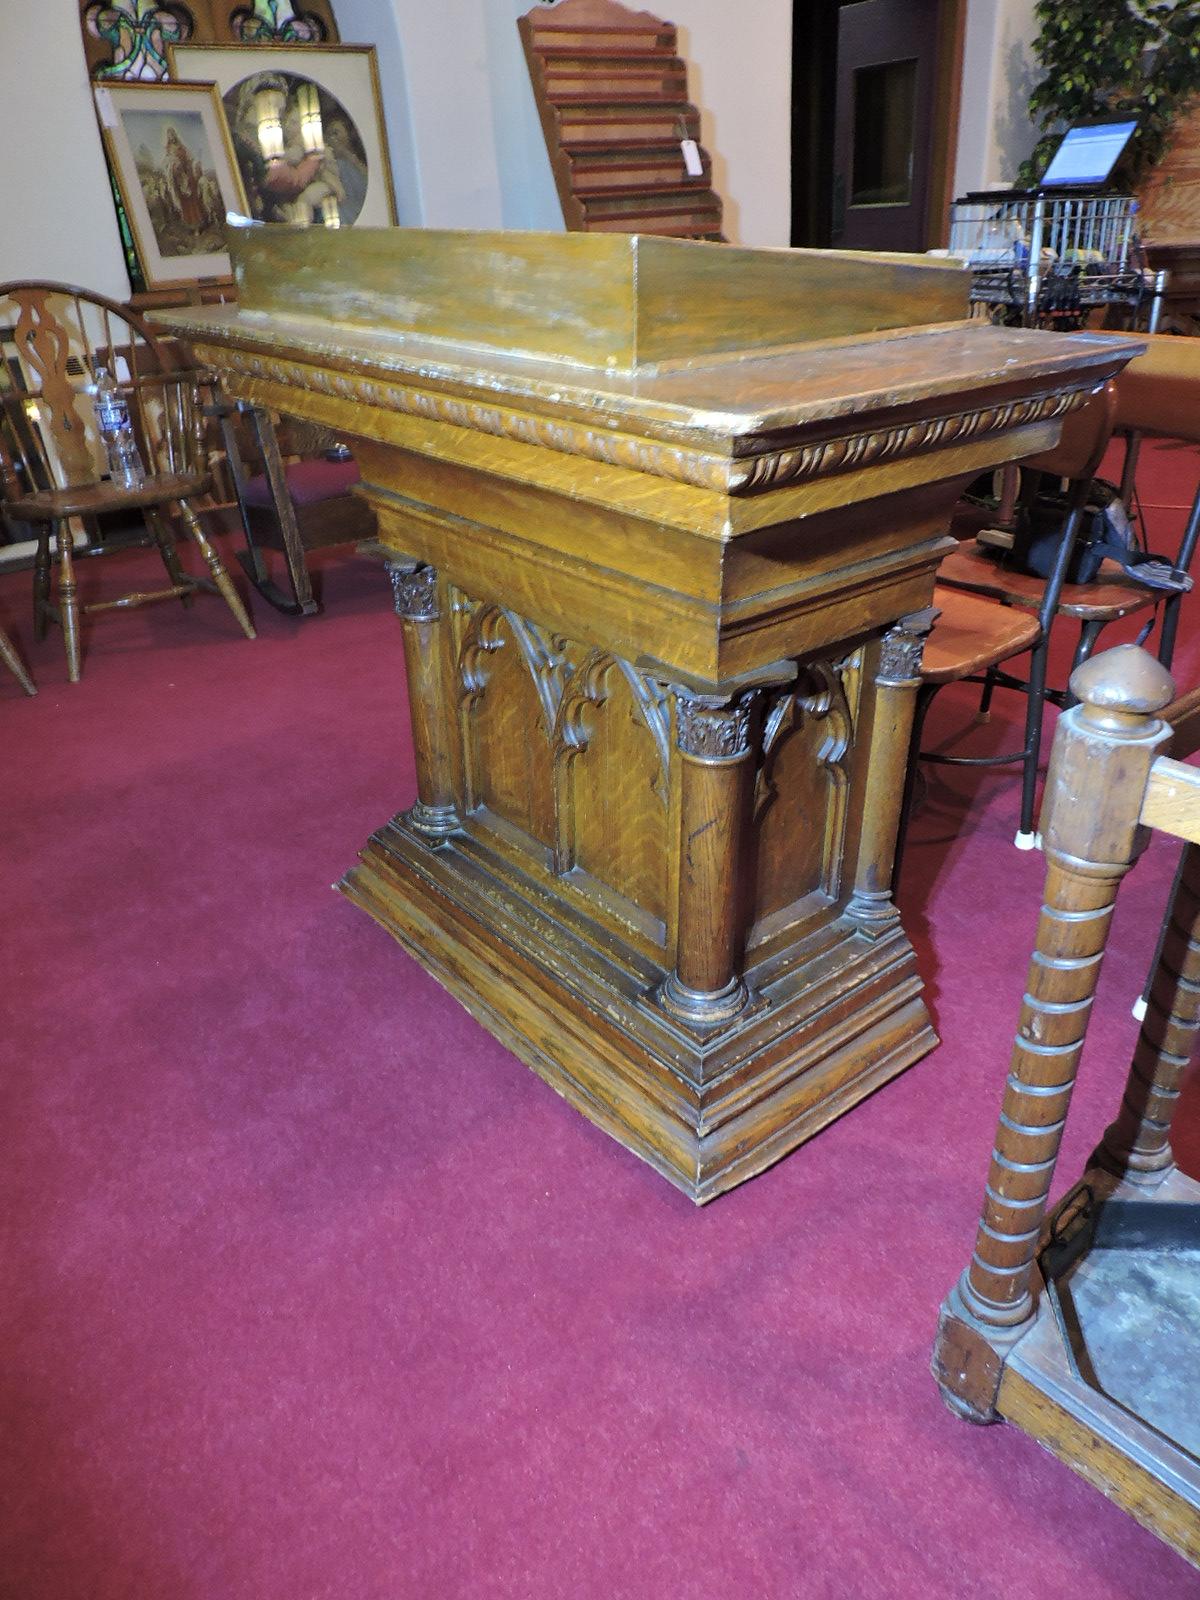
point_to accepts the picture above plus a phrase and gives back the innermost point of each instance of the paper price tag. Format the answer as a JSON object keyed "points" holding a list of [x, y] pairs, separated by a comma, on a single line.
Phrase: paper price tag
{"points": [[692, 163]]}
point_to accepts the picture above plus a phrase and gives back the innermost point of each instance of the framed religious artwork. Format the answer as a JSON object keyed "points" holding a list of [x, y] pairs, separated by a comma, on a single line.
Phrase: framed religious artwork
{"points": [[171, 157], [306, 122]]}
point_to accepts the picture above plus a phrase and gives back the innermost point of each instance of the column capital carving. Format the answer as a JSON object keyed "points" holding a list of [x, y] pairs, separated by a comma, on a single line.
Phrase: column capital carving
{"points": [[903, 647], [414, 591], [713, 727]]}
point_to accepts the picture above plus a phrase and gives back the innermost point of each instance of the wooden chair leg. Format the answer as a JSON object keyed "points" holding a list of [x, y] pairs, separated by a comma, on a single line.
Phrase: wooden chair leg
{"points": [[165, 541], [41, 581], [14, 663], [1137, 1147], [220, 577], [285, 512], [68, 603]]}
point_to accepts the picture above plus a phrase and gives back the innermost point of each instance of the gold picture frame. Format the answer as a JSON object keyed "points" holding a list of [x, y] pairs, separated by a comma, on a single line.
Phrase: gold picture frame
{"points": [[307, 128], [172, 158]]}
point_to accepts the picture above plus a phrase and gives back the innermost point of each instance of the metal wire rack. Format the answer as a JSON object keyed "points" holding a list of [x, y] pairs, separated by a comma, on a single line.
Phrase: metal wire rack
{"points": [[1038, 257]]}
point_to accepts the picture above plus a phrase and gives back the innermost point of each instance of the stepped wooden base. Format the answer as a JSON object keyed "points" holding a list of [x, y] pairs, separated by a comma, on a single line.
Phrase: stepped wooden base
{"points": [[707, 1111], [1051, 1392]]}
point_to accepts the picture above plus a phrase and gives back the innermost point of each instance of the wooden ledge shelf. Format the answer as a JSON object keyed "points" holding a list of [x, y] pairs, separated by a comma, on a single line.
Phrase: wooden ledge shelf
{"points": [[609, 82]]}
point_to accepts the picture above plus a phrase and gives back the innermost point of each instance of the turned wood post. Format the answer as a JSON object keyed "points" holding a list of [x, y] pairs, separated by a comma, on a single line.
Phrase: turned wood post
{"points": [[68, 598], [714, 737], [14, 664], [896, 683], [1103, 751], [1137, 1147], [430, 702]]}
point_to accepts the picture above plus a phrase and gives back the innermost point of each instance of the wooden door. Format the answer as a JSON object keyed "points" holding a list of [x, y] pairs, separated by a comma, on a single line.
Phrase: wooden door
{"points": [[883, 124]]}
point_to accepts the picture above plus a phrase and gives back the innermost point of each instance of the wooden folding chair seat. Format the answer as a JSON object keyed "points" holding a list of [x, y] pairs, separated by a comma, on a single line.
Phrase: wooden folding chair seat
{"points": [[976, 631], [1157, 394], [52, 466]]}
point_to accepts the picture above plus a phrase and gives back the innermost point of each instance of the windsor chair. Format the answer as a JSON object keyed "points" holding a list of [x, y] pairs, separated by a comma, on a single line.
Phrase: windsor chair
{"points": [[55, 338]]}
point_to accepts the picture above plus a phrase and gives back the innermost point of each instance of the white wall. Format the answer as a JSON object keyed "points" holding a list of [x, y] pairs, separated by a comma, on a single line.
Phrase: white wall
{"points": [[56, 210], [739, 56], [369, 22], [467, 149], [995, 133]]}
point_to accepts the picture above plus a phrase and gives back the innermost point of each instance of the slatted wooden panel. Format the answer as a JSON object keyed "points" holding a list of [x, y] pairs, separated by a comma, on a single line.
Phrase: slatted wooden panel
{"points": [[611, 91]]}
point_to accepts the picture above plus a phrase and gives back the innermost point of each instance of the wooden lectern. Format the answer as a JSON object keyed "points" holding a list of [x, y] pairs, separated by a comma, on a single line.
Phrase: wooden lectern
{"points": [[664, 519]]}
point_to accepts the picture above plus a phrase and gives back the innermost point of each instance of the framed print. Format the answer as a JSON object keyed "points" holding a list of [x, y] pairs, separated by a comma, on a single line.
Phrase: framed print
{"points": [[169, 149], [307, 127]]}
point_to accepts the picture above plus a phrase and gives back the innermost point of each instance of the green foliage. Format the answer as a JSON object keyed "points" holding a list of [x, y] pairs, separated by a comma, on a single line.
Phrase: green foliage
{"points": [[1103, 57]]}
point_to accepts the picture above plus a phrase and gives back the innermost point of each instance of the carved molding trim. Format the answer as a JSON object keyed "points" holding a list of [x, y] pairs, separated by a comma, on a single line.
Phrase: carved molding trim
{"points": [[905, 439], [587, 687], [819, 697], [684, 464], [414, 592], [713, 729], [546, 659]]}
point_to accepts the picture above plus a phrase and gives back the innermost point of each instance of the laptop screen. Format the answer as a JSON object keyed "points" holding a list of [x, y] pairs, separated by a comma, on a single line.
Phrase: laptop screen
{"points": [[1088, 154]]}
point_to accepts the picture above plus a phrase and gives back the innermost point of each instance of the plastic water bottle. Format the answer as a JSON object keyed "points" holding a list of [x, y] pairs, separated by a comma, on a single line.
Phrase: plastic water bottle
{"points": [[116, 430]]}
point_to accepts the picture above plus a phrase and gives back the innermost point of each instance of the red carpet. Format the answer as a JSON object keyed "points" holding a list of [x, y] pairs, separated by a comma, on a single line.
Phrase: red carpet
{"points": [[311, 1290]]}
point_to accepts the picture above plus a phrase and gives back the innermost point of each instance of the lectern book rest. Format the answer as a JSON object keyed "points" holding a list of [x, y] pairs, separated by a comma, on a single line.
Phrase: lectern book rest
{"points": [[662, 521]]}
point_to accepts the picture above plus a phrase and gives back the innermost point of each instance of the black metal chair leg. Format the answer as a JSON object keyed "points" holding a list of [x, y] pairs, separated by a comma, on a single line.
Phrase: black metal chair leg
{"points": [[985, 699], [924, 700], [1170, 615], [1089, 632], [1035, 710]]}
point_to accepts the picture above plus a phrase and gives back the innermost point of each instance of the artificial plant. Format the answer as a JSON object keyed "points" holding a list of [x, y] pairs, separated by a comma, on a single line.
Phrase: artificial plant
{"points": [[1104, 57]]}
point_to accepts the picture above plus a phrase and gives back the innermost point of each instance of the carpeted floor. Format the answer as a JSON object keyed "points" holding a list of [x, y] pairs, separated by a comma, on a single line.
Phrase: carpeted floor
{"points": [[312, 1292]]}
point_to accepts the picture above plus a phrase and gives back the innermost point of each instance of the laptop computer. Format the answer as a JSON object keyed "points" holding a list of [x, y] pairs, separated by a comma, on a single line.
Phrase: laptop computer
{"points": [[1088, 153]]}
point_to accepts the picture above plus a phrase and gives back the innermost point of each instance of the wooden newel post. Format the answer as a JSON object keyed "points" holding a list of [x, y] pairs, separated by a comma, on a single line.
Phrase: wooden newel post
{"points": [[418, 605], [1137, 1147], [1103, 748], [716, 770]]}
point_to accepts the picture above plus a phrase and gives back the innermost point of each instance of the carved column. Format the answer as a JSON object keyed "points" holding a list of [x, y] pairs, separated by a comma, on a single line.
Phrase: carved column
{"points": [[1103, 749], [415, 592], [713, 735], [1137, 1147], [896, 685]]}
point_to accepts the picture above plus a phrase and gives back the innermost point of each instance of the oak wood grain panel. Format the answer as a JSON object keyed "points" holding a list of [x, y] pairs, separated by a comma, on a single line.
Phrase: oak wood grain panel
{"points": [[1172, 800], [695, 300]]}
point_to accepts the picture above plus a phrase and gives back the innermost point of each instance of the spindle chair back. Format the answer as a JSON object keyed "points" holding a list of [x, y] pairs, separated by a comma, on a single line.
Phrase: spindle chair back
{"points": [[55, 340]]}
